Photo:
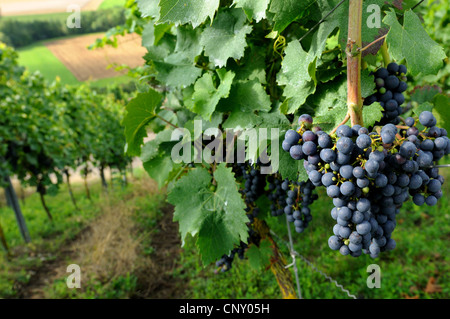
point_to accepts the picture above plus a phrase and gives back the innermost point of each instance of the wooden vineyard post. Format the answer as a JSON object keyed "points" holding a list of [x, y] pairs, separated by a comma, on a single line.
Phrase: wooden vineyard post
{"points": [[12, 198]]}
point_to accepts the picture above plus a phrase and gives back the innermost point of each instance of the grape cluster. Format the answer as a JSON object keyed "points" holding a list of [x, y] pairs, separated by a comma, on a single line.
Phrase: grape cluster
{"points": [[254, 181], [390, 85], [292, 199], [370, 174]]}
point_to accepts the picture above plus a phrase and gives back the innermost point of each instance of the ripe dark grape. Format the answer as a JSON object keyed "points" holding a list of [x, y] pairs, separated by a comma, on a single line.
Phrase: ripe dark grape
{"points": [[370, 174]]}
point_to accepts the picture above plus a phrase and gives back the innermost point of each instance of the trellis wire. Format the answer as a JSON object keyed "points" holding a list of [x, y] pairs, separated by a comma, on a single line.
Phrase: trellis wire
{"points": [[294, 254], [294, 262]]}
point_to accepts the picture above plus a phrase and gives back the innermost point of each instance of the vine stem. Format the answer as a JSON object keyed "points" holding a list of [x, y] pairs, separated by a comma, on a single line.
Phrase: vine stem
{"points": [[347, 117], [372, 43], [164, 120], [385, 54], [354, 99]]}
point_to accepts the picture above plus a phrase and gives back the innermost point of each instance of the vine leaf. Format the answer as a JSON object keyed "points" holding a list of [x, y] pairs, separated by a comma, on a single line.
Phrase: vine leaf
{"points": [[218, 217], [254, 9], [372, 113], [226, 37], [140, 111], [411, 42], [175, 64], [290, 168], [287, 11], [259, 256], [156, 157], [297, 74], [182, 12], [248, 96], [148, 8], [426, 93], [367, 83], [442, 110], [206, 96], [332, 104]]}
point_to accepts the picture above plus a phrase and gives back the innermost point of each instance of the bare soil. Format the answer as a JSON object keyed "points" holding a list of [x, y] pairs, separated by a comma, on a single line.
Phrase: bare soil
{"points": [[96, 64]]}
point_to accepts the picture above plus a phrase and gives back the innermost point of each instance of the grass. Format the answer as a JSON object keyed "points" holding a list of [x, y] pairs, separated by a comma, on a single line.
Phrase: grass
{"points": [[112, 3], [37, 57]]}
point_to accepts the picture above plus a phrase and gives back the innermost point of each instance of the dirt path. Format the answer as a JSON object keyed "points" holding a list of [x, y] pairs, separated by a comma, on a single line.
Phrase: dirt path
{"points": [[109, 245], [156, 282]]}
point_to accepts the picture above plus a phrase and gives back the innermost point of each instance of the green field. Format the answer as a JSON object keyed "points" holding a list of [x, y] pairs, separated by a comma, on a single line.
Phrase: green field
{"points": [[38, 57], [112, 3]]}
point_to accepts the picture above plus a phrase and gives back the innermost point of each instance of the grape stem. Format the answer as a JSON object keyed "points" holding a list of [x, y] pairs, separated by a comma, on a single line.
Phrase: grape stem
{"points": [[164, 120], [347, 117], [385, 54], [354, 98], [372, 43]]}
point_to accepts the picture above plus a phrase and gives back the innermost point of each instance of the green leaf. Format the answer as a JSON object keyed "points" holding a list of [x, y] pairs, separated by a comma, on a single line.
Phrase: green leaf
{"points": [[287, 11], [206, 96], [194, 12], [151, 149], [177, 70], [425, 93], [218, 217], [372, 113], [254, 9], [259, 257], [367, 83], [252, 65], [331, 102], [152, 34], [188, 42], [159, 168], [140, 111], [412, 43], [426, 106], [239, 121], [148, 8], [441, 110], [295, 75], [247, 96], [288, 167], [225, 38]]}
